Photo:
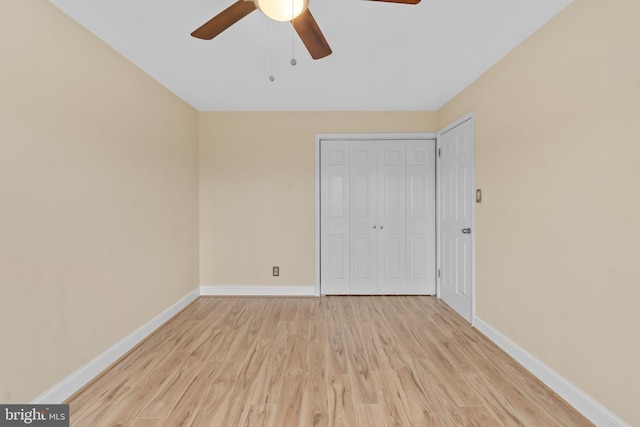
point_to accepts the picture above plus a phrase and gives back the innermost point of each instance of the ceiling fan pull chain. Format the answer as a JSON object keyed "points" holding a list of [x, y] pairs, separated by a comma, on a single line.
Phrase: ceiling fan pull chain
{"points": [[293, 48], [293, 41], [271, 77]]}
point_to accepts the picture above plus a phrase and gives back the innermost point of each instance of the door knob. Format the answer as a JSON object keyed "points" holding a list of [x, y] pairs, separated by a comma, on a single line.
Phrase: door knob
{"points": [[466, 231], [381, 227], [374, 227]]}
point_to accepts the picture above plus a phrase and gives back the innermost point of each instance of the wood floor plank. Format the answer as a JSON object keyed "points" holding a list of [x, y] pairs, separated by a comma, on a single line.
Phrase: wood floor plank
{"points": [[440, 366], [216, 395], [373, 347], [394, 402], [186, 409], [383, 346], [269, 389], [146, 422], [247, 378], [259, 416], [91, 414], [360, 370], [496, 402], [370, 415], [314, 406], [166, 397], [287, 308], [254, 322], [318, 362], [422, 404], [440, 397], [479, 417], [336, 351], [295, 377], [314, 396], [340, 403], [403, 335]]}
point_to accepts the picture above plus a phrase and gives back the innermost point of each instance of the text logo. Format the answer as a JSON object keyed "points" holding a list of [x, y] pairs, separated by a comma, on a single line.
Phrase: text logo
{"points": [[34, 415]]}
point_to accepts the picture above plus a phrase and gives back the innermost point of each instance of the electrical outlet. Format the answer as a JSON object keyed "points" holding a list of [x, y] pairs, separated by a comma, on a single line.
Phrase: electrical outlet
{"points": [[276, 271]]}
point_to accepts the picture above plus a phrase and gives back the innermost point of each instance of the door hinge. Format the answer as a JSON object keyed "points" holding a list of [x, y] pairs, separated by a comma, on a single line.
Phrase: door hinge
{"points": [[438, 272], [439, 153]]}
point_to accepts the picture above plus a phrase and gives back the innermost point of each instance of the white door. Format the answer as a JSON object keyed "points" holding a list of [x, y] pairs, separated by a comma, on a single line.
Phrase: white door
{"points": [[377, 217], [455, 215]]}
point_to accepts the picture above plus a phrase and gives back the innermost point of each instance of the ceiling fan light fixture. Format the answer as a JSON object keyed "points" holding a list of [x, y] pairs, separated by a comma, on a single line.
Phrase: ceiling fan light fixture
{"points": [[282, 10]]}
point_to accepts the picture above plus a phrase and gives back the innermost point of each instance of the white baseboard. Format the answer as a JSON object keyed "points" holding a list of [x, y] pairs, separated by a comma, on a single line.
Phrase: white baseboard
{"points": [[244, 290], [582, 402], [74, 382]]}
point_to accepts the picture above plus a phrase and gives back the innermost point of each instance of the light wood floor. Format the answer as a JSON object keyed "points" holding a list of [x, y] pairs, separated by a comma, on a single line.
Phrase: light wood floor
{"points": [[330, 361]]}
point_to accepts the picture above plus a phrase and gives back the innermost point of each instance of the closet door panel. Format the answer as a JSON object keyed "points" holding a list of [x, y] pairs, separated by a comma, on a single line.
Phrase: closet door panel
{"points": [[334, 213], [363, 177], [421, 226], [392, 217]]}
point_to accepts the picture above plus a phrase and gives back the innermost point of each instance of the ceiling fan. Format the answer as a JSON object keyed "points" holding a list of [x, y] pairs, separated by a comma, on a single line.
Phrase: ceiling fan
{"points": [[296, 11]]}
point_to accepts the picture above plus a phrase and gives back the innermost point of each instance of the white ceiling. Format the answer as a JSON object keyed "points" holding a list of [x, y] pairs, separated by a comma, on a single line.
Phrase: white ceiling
{"points": [[385, 57]]}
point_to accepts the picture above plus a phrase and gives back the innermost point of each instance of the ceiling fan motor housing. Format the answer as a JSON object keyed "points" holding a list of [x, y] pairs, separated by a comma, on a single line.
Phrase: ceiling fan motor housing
{"points": [[282, 10]]}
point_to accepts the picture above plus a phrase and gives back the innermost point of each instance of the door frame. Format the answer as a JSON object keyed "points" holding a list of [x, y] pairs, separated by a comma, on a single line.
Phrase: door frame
{"points": [[469, 116], [408, 136]]}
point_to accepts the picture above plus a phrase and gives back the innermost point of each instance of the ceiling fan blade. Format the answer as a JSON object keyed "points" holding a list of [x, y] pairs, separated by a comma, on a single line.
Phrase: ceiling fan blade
{"points": [[310, 34], [400, 1], [224, 19]]}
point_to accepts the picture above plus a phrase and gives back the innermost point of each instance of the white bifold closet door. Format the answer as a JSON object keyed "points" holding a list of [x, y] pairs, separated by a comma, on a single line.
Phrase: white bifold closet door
{"points": [[377, 217]]}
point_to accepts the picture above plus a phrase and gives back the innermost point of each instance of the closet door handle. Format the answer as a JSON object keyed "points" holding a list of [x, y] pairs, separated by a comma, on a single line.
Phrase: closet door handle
{"points": [[374, 227], [466, 231], [381, 227]]}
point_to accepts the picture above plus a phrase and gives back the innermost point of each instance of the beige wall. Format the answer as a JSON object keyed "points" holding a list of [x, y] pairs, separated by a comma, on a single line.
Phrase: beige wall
{"points": [[98, 198], [257, 190], [558, 159]]}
